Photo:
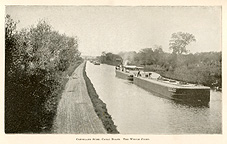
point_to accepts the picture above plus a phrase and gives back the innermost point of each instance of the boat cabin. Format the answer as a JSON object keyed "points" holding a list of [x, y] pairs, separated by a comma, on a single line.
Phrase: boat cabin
{"points": [[151, 75]]}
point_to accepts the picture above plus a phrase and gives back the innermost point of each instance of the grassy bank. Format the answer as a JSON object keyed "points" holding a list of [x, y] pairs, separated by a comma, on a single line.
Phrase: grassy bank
{"points": [[100, 107]]}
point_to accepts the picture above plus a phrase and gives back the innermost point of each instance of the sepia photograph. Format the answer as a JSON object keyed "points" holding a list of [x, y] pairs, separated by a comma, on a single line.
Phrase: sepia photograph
{"points": [[113, 70], [113, 73]]}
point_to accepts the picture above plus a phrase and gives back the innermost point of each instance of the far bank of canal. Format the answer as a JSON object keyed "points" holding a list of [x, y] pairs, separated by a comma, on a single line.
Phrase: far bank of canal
{"points": [[136, 111]]}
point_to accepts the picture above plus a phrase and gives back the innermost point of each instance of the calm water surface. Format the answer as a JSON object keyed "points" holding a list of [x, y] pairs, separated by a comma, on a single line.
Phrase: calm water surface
{"points": [[136, 111]]}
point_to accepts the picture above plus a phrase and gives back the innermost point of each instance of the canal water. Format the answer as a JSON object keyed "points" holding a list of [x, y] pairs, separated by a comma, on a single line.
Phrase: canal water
{"points": [[137, 111]]}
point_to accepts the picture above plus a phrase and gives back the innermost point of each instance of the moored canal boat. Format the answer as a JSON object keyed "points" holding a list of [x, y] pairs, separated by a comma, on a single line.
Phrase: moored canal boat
{"points": [[167, 88], [176, 90], [96, 63], [127, 72]]}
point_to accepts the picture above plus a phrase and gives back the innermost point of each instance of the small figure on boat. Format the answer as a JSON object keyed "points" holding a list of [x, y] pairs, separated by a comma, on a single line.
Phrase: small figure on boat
{"points": [[138, 74]]}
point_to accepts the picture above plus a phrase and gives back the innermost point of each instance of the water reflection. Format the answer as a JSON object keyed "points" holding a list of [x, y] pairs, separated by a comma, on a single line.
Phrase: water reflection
{"points": [[192, 104], [136, 111]]}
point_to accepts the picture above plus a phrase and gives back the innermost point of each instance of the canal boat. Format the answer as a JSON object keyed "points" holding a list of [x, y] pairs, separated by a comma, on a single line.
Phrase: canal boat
{"points": [[127, 72], [167, 88], [173, 89], [96, 63]]}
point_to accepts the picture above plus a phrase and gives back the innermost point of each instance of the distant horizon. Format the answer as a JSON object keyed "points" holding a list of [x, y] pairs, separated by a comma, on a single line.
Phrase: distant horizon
{"points": [[118, 29]]}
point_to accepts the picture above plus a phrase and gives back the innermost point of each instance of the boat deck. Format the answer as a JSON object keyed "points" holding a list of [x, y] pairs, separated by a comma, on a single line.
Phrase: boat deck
{"points": [[174, 84]]}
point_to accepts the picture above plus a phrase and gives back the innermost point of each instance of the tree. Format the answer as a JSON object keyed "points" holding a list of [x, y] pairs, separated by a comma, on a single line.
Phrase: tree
{"points": [[37, 60], [179, 41], [110, 58], [158, 54], [146, 56], [11, 43]]}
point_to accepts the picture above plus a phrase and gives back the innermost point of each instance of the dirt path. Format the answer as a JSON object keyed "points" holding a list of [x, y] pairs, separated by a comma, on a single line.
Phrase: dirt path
{"points": [[75, 113]]}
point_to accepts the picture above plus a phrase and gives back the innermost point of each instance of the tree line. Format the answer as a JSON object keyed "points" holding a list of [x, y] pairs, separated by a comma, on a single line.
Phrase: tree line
{"points": [[200, 68], [109, 58], [37, 62]]}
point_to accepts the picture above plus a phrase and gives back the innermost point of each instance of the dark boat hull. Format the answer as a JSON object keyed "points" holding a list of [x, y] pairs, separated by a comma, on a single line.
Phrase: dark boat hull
{"points": [[124, 75], [192, 95]]}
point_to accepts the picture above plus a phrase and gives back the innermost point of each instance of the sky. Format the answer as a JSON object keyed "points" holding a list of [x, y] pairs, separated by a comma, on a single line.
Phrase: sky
{"points": [[117, 29]]}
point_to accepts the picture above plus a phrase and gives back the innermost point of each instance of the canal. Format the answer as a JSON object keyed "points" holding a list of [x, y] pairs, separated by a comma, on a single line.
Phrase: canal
{"points": [[137, 111]]}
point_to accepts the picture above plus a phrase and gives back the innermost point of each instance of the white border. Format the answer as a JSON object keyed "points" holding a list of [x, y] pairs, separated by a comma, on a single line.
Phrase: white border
{"points": [[156, 139]]}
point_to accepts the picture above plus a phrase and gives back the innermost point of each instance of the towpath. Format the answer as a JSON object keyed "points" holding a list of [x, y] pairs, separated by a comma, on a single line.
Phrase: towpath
{"points": [[75, 113]]}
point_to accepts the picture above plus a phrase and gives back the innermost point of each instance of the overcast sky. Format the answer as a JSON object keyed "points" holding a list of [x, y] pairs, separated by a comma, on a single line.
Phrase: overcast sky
{"points": [[116, 29]]}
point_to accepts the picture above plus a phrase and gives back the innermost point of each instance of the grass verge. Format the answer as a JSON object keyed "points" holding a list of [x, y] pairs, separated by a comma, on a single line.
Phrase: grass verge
{"points": [[100, 107]]}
